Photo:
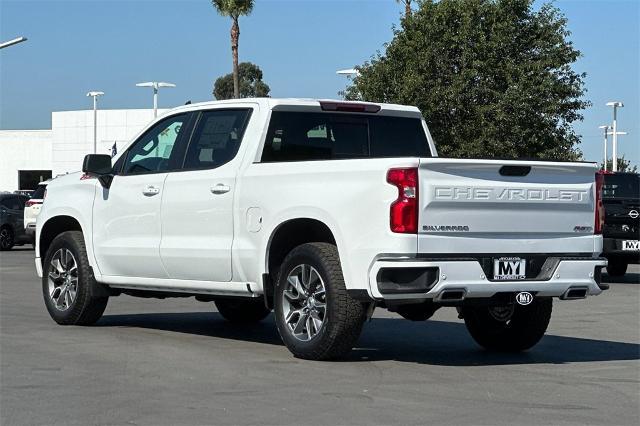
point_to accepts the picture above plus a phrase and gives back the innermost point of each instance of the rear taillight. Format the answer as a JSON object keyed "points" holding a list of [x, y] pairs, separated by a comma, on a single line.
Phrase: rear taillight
{"points": [[599, 219], [404, 210], [30, 203]]}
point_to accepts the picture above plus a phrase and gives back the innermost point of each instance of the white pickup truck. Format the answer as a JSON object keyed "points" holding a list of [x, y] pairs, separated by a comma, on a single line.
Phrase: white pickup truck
{"points": [[320, 211]]}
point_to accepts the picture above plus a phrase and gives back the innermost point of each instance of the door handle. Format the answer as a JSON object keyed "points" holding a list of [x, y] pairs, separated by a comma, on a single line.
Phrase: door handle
{"points": [[220, 189], [151, 190]]}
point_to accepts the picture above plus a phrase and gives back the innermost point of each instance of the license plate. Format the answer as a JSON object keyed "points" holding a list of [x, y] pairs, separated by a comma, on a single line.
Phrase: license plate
{"points": [[631, 245], [509, 268]]}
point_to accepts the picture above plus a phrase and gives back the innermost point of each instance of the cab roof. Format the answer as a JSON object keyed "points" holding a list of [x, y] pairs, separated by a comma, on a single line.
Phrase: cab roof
{"points": [[302, 104]]}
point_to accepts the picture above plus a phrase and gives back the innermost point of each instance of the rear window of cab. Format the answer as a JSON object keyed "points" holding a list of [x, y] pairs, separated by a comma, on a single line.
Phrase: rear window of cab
{"points": [[305, 136]]}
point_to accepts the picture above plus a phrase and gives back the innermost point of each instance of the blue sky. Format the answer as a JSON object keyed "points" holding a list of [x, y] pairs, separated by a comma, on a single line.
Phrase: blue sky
{"points": [[77, 46]]}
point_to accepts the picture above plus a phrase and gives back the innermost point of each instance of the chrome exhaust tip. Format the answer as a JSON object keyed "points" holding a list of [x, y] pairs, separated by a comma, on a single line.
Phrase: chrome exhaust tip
{"points": [[451, 295], [575, 293]]}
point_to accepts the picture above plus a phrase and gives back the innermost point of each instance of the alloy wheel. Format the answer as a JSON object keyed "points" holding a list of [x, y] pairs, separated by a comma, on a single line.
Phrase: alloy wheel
{"points": [[304, 302], [5, 238], [63, 279]]}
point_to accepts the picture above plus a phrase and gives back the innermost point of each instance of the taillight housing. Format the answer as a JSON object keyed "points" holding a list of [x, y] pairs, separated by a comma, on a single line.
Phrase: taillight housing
{"points": [[403, 212], [30, 203], [599, 216]]}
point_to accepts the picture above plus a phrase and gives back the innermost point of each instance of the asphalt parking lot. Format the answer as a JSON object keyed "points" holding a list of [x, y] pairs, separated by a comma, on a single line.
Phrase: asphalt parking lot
{"points": [[176, 361]]}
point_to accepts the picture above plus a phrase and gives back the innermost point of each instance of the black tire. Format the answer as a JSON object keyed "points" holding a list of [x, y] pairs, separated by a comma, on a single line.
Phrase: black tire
{"points": [[617, 268], [522, 331], [343, 317], [91, 298], [242, 311], [7, 238]]}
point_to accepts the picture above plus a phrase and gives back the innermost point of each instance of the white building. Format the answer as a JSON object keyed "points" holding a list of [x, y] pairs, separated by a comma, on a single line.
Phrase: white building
{"points": [[29, 156]]}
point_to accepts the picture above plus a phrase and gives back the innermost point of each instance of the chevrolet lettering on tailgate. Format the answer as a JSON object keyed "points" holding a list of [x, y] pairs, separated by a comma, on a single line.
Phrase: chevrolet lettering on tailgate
{"points": [[510, 194]]}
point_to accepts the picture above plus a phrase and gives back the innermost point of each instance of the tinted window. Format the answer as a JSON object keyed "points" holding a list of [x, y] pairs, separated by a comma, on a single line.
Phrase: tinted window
{"points": [[398, 137], [624, 185], [13, 203], [38, 194], [154, 151], [299, 136], [216, 138]]}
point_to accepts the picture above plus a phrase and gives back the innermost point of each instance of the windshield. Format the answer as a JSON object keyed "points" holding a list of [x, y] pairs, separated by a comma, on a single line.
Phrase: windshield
{"points": [[624, 185]]}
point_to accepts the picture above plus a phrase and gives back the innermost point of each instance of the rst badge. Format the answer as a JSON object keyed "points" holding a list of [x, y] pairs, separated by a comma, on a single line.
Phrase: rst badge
{"points": [[509, 268]]}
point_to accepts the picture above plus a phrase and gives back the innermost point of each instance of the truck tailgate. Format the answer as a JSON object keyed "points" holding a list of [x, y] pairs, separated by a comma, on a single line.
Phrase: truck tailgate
{"points": [[498, 206]]}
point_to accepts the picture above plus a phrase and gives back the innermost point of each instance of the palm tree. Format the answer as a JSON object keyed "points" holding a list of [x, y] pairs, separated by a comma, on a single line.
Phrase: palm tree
{"points": [[234, 9], [407, 7]]}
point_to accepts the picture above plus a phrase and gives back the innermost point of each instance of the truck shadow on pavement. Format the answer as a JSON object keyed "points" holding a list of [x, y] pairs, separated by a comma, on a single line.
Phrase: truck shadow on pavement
{"points": [[383, 339]]}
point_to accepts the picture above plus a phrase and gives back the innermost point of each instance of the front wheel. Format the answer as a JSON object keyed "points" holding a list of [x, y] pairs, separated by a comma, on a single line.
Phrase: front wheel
{"points": [[71, 294], [510, 328], [316, 317]]}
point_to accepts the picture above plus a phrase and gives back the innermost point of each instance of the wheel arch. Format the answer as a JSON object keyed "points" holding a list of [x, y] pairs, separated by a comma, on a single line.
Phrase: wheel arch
{"points": [[53, 227], [290, 234]]}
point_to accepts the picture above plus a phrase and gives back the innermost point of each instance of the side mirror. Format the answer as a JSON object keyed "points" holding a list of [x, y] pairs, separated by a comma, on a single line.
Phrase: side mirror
{"points": [[99, 165]]}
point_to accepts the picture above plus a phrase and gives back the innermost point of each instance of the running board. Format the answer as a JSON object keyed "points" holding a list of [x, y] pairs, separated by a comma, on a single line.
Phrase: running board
{"points": [[238, 289]]}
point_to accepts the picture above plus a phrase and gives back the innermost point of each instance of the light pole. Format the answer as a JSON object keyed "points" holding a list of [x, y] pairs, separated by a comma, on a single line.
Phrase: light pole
{"points": [[156, 85], [12, 42], [349, 72], [606, 135], [614, 160], [95, 95]]}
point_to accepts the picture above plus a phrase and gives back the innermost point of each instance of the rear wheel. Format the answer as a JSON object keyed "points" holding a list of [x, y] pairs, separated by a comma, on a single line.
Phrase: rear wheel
{"points": [[242, 311], [316, 317], [71, 294], [509, 328], [6, 238], [617, 268]]}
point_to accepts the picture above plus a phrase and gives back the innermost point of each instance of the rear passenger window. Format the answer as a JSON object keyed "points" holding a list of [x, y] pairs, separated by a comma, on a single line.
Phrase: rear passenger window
{"points": [[302, 136], [217, 138]]}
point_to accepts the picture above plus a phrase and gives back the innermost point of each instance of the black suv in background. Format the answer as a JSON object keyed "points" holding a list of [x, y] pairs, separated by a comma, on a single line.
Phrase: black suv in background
{"points": [[621, 232], [11, 221]]}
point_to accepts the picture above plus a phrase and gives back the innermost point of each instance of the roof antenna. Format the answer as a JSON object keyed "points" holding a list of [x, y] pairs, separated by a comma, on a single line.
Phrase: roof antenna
{"points": [[188, 102]]}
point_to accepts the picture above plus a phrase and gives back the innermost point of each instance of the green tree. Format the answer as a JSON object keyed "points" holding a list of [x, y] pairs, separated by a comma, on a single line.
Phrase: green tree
{"points": [[234, 9], [624, 165], [249, 81], [493, 78]]}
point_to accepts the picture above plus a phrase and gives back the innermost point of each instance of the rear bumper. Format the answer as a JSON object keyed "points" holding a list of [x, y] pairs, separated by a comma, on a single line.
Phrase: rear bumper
{"points": [[467, 278]]}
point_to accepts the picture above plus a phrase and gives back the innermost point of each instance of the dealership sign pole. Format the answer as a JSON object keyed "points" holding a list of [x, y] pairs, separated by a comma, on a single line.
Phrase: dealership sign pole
{"points": [[606, 135], [95, 95], [614, 160]]}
